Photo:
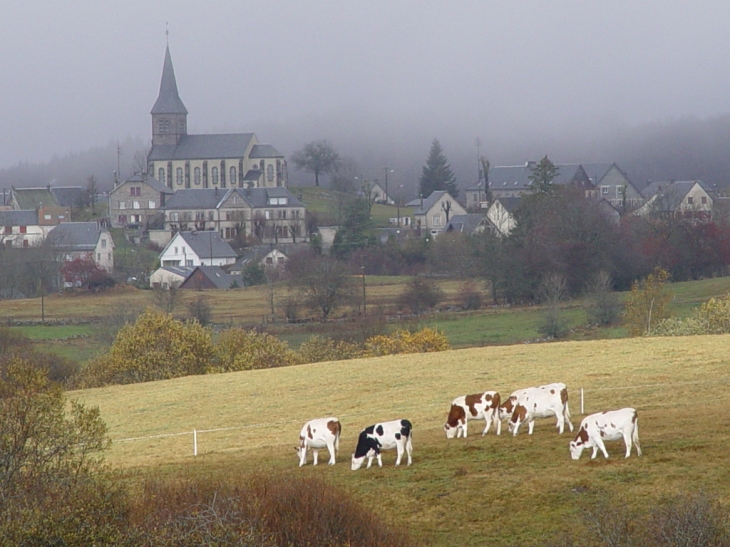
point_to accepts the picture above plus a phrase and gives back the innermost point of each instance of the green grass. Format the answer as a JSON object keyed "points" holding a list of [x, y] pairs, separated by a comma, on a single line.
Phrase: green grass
{"points": [[53, 332], [328, 205], [505, 490]]}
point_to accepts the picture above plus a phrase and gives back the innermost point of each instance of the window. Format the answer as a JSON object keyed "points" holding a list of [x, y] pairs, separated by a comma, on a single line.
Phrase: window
{"points": [[269, 260], [161, 175], [135, 205], [176, 250], [189, 262], [214, 175], [135, 191], [268, 215], [179, 176], [690, 200], [704, 200], [196, 175], [604, 190], [109, 256], [150, 204], [232, 176], [210, 216], [173, 216], [98, 257], [25, 243], [47, 217], [23, 229], [280, 260], [270, 172], [436, 220], [122, 205], [103, 242], [8, 229], [199, 215], [164, 125]]}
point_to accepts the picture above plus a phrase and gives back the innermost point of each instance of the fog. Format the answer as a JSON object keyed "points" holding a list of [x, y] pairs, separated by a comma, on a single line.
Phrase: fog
{"points": [[378, 79]]}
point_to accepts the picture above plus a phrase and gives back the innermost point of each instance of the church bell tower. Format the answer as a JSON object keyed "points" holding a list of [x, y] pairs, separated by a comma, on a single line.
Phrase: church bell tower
{"points": [[169, 115]]}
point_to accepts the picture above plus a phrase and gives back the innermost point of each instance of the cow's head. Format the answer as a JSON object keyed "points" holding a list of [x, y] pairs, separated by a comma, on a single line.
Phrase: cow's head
{"points": [[518, 416], [506, 409], [301, 450], [357, 462], [450, 431], [455, 420], [578, 444]]}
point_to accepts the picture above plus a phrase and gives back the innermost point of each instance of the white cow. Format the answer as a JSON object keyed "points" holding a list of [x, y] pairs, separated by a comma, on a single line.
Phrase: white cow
{"points": [[611, 425], [397, 434], [541, 402], [481, 406], [316, 434]]}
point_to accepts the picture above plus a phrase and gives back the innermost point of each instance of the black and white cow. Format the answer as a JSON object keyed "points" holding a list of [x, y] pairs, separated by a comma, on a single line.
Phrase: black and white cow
{"points": [[316, 434], [611, 425], [397, 434]]}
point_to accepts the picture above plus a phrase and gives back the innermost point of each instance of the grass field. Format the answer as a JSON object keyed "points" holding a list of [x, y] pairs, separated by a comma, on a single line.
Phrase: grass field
{"points": [[478, 491]]}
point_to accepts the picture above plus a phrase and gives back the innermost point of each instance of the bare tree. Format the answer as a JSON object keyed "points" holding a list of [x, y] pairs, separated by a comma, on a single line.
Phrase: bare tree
{"points": [[324, 283], [317, 157], [167, 299]]}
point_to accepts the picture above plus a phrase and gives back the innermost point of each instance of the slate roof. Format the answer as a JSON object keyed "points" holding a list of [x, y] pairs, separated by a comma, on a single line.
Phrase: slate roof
{"points": [[144, 178], [208, 244], [168, 101], [182, 271], [76, 236], [264, 151], [517, 177], [69, 196], [19, 218], [203, 147], [674, 188], [211, 198], [596, 171], [510, 204], [30, 198], [219, 278], [464, 223], [429, 202]]}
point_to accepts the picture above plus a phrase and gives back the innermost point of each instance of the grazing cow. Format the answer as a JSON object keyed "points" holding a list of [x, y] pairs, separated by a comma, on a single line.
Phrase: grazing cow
{"points": [[316, 434], [481, 406], [611, 425], [541, 402], [397, 434]]}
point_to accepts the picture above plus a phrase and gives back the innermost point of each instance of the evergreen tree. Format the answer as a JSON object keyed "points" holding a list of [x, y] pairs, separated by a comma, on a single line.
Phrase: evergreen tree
{"points": [[437, 174], [356, 231], [542, 176]]}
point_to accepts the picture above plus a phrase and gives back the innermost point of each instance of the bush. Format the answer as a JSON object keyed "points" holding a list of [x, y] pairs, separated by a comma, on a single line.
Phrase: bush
{"points": [[200, 310], [155, 347], [713, 317], [604, 306], [470, 296], [240, 349], [423, 341], [420, 295], [320, 348], [648, 303]]}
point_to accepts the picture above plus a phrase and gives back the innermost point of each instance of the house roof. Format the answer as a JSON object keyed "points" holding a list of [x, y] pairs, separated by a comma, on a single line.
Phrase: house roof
{"points": [[181, 271], [207, 244], [510, 204], [671, 192], [202, 147], [213, 198], [69, 196], [219, 278], [264, 151], [77, 236], [596, 171], [30, 198], [467, 223], [19, 218], [429, 202], [149, 180], [168, 101]]}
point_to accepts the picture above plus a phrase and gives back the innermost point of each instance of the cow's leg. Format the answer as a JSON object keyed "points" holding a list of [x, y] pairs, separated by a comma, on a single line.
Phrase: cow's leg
{"points": [[302, 456], [601, 446], [380, 460], [399, 451], [488, 420], [465, 427], [595, 452], [315, 455], [531, 427], [561, 424], [333, 453], [370, 462], [409, 449], [627, 442], [497, 422]]}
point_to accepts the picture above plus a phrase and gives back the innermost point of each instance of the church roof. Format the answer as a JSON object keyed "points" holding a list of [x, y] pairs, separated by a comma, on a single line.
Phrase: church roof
{"points": [[168, 101], [204, 147], [264, 151]]}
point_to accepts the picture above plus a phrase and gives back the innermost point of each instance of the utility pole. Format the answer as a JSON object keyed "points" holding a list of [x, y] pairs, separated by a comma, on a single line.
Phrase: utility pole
{"points": [[387, 196], [364, 304]]}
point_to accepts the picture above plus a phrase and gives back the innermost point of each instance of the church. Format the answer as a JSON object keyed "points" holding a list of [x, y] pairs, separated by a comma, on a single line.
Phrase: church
{"points": [[182, 161]]}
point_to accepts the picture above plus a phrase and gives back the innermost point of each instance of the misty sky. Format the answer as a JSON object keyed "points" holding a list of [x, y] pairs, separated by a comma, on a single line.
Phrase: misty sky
{"points": [[381, 75]]}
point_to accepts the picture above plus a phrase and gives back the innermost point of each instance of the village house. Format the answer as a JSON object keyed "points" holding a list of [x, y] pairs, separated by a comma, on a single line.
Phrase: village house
{"points": [[210, 277], [21, 228], [44, 201], [683, 198], [136, 201], [435, 211], [194, 248], [501, 214], [83, 240]]}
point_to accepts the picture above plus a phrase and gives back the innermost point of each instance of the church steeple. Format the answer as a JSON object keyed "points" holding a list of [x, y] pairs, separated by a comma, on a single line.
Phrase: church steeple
{"points": [[169, 115]]}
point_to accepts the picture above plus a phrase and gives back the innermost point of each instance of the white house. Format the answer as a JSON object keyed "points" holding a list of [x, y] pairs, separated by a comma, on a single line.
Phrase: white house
{"points": [[435, 212], [682, 198], [21, 228], [190, 249], [169, 276], [501, 214], [81, 239]]}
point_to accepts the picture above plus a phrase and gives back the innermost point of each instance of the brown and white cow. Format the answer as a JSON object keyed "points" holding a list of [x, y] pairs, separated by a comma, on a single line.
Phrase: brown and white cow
{"points": [[317, 434], [611, 425], [480, 406], [540, 402]]}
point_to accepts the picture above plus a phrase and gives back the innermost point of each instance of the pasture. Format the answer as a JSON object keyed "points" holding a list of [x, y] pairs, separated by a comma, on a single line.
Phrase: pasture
{"points": [[493, 490]]}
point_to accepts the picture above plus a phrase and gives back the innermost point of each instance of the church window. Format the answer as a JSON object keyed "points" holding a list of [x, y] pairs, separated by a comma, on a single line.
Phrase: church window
{"points": [[161, 175], [179, 176], [232, 176], [270, 172], [214, 175], [164, 125], [223, 173], [181, 125], [196, 175]]}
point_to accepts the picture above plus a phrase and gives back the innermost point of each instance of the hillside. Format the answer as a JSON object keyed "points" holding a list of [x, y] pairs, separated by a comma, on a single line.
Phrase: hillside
{"points": [[250, 421]]}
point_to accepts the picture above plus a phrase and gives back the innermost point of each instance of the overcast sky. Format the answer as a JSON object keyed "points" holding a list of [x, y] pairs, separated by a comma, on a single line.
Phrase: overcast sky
{"points": [[79, 74]]}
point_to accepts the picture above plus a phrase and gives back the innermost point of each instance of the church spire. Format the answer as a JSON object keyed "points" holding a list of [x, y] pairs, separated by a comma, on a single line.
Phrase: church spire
{"points": [[168, 100]]}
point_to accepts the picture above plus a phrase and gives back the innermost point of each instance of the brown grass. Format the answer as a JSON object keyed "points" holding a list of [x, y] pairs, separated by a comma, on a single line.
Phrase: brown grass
{"points": [[528, 485]]}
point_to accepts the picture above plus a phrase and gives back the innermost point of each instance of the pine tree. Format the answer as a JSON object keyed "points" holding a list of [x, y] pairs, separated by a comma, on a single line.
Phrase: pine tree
{"points": [[542, 176], [437, 174]]}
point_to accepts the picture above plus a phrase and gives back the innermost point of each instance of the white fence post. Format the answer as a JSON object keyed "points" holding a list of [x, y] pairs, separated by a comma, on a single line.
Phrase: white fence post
{"points": [[582, 403], [195, 442]]}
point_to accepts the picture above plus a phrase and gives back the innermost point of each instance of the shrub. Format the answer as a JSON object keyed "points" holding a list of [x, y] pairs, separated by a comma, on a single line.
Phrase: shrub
{"points": [[155, 347], [647, 304], [240, 349], [604, 307], [470, 295], [423, 341], [420, 295], [321, 348], [673, 326], [713, 317], [200, 310]]}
